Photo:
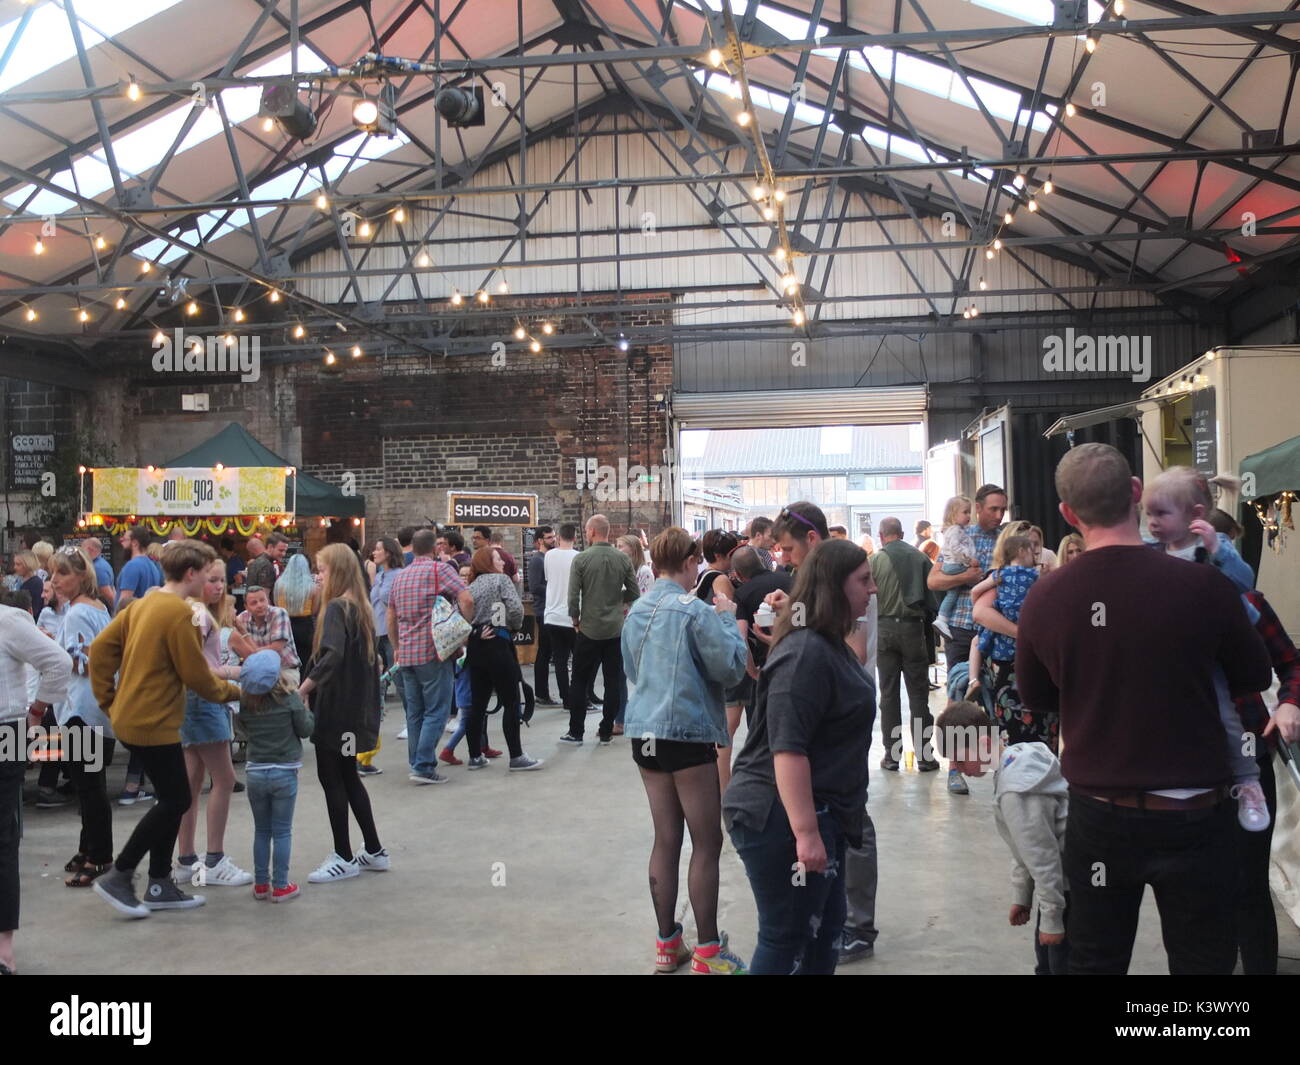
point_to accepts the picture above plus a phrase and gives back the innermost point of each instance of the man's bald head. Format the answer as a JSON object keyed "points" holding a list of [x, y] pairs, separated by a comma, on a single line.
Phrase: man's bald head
{"points": [[891, 529], [746, 563], [597, 528]]}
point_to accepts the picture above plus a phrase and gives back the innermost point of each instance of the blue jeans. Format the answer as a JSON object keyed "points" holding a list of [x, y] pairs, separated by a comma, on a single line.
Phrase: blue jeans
{"points": [[949, 603], [428, 690], [272, 794], [799, 925]]}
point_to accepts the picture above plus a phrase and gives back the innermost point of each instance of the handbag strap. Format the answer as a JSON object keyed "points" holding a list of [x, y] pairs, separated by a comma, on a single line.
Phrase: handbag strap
{"points": [[640, 648]]}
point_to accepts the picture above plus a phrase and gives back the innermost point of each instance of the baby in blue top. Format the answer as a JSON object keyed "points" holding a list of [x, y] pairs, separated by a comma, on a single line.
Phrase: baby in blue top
{"points": [[1176, 503]]}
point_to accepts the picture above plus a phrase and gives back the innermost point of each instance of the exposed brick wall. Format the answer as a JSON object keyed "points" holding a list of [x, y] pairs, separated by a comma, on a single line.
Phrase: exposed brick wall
{"points": [[395, 422]]}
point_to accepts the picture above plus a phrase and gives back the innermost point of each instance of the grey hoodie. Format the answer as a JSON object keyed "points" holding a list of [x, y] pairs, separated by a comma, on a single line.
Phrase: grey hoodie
{"points": [[1029, 806]]}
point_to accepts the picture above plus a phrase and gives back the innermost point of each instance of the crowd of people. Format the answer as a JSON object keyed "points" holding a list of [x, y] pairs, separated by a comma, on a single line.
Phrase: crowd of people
{"points": [[1112, 686]]}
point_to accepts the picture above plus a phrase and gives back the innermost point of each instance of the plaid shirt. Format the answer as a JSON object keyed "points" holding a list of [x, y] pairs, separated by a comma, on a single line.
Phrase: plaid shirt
{"points": [[414, 589], [275, 627], [984, 544], [1286, 664]]}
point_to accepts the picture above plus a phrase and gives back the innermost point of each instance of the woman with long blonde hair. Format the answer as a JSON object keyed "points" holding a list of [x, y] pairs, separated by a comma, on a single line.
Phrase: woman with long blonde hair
{"points": [[205, 738], [342, 680]]}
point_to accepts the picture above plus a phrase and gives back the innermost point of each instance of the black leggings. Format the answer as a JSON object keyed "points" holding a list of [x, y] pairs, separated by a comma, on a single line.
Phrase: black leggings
{"points": [[493, 668], [92, 793], [338, 776], [156, 831]]}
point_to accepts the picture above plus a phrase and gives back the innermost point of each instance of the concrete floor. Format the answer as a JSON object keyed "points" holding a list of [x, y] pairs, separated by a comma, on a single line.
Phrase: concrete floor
{"points": [[572, 842]]}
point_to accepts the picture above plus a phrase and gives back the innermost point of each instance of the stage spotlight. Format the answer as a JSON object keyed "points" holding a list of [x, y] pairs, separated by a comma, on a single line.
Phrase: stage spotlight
{"points": [[377, 114], [282, 103], [460, 107]]}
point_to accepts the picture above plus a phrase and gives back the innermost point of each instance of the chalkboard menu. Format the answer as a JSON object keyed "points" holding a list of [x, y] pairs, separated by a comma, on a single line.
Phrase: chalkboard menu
{"points": [[1205, 444], [30, 455]]}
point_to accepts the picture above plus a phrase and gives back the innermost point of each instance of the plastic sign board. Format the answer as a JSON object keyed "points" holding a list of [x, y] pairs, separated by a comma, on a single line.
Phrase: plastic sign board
{"points": [[203, 491], [491, 508]]}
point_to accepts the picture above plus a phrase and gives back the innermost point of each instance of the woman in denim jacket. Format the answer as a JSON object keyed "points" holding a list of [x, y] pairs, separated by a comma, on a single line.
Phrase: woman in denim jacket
{"points": [[682, 654]]}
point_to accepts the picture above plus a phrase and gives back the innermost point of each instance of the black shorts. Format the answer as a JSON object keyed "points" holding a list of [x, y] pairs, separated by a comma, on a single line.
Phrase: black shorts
{"points": [[671, 756], [742, 693]]}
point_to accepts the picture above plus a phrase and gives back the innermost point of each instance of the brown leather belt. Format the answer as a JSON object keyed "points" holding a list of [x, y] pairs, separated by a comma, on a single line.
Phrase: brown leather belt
{"points": [[1145, 800]]}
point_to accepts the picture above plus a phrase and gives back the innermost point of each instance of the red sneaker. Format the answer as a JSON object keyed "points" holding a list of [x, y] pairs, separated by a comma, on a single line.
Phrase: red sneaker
{"points": [[261, 892], [449, 756], [491, 752], [284, 894], [671, 953]]}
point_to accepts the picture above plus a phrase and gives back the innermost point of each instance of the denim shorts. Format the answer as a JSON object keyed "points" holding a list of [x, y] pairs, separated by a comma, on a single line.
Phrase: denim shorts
{"points": [[672, 756], [204, 722]]}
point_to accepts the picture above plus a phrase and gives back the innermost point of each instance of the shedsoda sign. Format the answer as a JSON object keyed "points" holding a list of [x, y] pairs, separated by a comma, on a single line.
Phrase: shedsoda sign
{"points": [[491, 508]]}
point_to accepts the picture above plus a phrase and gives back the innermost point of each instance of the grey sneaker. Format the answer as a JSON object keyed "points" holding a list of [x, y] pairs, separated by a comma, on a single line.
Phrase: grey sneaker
{"points": [[115, 888], [477, 763], [523, 763], [571, 739], [957, 783], [166, 895], [431, 778]]}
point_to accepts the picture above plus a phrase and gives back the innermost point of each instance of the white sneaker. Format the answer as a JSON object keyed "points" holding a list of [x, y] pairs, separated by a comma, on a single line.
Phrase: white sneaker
{"points": [[224, 874], [942, 625], [402, 735], [334, 868], [376, 863], [1252, 807]]}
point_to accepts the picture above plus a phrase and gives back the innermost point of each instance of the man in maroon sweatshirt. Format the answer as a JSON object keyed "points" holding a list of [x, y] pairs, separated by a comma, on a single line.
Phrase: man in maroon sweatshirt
{"points": [[1124, 642]]}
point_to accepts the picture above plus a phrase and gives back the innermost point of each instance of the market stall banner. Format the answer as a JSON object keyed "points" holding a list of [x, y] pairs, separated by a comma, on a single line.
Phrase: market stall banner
{"points": [[190, 491]]}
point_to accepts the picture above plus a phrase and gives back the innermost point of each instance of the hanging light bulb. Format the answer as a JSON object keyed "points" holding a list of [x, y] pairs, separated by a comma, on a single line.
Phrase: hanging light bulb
{"points": [[239, 315], [768, 214], [779, 195], [100, 242], [145, 267], [1008, 218], [120, 304], [298, 331], [503, 287], [329, 358], [997, 245], [1070, 110], [1018, 181], [456, 298], [974, 312], [548, 328], [1119, 7], [744, 118], [422, 259], [1048, 187], [1090, 43], [364, 229], [230, 341], [399, 215], [535, 346], [356, 351], [158, 337], [323, 202], [197, 346], [780, 254], [133, 90], [966, 313], [83, 315], [482, 295], [268, 124], [983, 284], [790, 282], [760, 192], [520, 333], [31, 314], [797, 317], [275, 296], [988, 253], [1032, 205], [39, 247], [715, 57], [191, 308]]}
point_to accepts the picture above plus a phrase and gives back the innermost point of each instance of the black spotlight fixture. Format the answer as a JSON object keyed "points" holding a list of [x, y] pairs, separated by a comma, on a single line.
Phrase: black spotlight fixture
{"points": [[377, 114], [460, 107], [294, 116]]}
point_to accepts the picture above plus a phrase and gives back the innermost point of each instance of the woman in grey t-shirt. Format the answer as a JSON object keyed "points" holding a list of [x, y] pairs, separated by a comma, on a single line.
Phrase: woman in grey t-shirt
{"points": [[798, 789]]}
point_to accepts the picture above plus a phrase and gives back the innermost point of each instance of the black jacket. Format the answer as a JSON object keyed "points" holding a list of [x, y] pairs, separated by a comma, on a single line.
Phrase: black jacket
{"points": [[345, 670]]}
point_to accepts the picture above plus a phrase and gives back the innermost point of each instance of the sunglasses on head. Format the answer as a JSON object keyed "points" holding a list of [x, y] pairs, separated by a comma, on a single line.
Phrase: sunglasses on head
{"points": [[786, 512]]}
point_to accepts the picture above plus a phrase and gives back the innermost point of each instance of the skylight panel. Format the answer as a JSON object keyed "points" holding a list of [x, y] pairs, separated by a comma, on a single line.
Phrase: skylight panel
{"points": [[836, 439], [48, 37], [1035, 12]]}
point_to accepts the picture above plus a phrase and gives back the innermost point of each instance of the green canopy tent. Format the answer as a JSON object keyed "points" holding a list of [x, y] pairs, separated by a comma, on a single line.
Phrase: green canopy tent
{"points": [[1277, 469], [235, 446]]}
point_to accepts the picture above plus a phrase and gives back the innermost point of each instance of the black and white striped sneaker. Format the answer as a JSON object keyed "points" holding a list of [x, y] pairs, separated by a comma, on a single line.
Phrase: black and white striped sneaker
{"points": [[334, 868]]}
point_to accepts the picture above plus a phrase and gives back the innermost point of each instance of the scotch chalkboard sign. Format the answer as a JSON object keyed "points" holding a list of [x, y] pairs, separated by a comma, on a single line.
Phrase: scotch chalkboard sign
{"points": [[1205, 441]]}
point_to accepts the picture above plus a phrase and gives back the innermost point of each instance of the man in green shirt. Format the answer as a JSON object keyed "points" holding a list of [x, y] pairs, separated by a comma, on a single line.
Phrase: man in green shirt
{"points": [[601, 584], [900, 572]]}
